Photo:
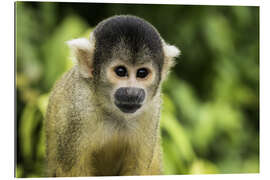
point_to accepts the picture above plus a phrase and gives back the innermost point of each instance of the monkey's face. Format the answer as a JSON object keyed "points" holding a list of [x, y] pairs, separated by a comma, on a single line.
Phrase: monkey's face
{"points": [[127, 60], [129, 86]]}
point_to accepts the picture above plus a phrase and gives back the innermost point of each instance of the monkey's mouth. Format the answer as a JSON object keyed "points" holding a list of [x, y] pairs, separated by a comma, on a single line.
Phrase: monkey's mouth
{"points": [[128, 108]]}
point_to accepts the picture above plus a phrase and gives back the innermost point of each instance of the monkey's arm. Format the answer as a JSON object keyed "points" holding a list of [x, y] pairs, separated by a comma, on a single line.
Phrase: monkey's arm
{"points": [[156, 164]]}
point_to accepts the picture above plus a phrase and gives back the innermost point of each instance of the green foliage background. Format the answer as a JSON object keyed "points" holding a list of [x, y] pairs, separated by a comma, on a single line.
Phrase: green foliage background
{"points": [[210, 115]]}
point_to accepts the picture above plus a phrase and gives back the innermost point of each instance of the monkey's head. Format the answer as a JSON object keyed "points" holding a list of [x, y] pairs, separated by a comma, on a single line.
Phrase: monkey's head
{"points": [[126, 60]]}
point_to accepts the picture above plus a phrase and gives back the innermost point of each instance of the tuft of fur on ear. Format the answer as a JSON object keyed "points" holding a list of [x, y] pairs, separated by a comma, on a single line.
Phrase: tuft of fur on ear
{"points": [[82, 51], [170, 53]]}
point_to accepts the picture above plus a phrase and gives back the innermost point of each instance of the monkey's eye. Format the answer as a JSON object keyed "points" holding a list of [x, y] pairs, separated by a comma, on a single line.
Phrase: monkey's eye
{"points": [[142, 73], [121, 71]]}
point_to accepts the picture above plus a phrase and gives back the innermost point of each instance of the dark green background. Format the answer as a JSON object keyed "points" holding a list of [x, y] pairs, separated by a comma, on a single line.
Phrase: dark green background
{"points": [[210, 115]]}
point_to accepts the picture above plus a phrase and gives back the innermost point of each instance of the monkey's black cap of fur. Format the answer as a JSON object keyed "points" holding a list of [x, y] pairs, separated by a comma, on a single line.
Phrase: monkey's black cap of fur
{"points": [[136, 33]]}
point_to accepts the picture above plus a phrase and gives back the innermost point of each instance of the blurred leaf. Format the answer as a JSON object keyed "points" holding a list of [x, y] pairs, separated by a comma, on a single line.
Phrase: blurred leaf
{"points": [[251, 165], [218, 33], [205, 129], [203, 167], [242, 15], [26, 129], [21, 81], [42, 103], [183, 97], [19, 171], [48, 13], [170, 157], [41, 146], [56, 51], [176, 132], [27, 58], [228, 118]]}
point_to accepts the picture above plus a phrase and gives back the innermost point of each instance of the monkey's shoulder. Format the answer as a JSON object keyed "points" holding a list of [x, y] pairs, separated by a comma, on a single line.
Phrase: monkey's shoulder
{"points": [[70, 85], [70, 94]]}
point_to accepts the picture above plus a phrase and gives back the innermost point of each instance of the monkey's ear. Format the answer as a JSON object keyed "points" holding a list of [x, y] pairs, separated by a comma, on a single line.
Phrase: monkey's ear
{"points": [[82, 51], [170, 53]]}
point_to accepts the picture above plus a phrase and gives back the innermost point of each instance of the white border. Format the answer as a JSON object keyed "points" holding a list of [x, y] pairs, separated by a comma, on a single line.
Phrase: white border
{"points": [[264, 89], [7, 90]]}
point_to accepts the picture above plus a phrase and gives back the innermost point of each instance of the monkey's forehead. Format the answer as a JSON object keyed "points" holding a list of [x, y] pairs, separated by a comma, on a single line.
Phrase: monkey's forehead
{"points": [[135, 32]]}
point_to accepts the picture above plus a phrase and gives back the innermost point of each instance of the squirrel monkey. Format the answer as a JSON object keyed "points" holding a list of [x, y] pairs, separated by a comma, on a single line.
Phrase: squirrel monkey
{"points": [[103, 115]]}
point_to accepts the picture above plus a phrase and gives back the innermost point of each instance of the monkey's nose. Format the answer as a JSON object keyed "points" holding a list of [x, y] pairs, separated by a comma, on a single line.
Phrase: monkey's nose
{"points": [[129, 99]]}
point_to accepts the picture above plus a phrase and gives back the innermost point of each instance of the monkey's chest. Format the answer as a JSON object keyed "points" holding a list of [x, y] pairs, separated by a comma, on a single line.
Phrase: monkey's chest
{"points": [[111, 159]]}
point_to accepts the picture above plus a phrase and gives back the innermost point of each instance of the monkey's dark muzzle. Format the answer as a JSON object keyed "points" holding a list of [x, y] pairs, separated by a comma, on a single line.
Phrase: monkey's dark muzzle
{"points": [[129, 99]]}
